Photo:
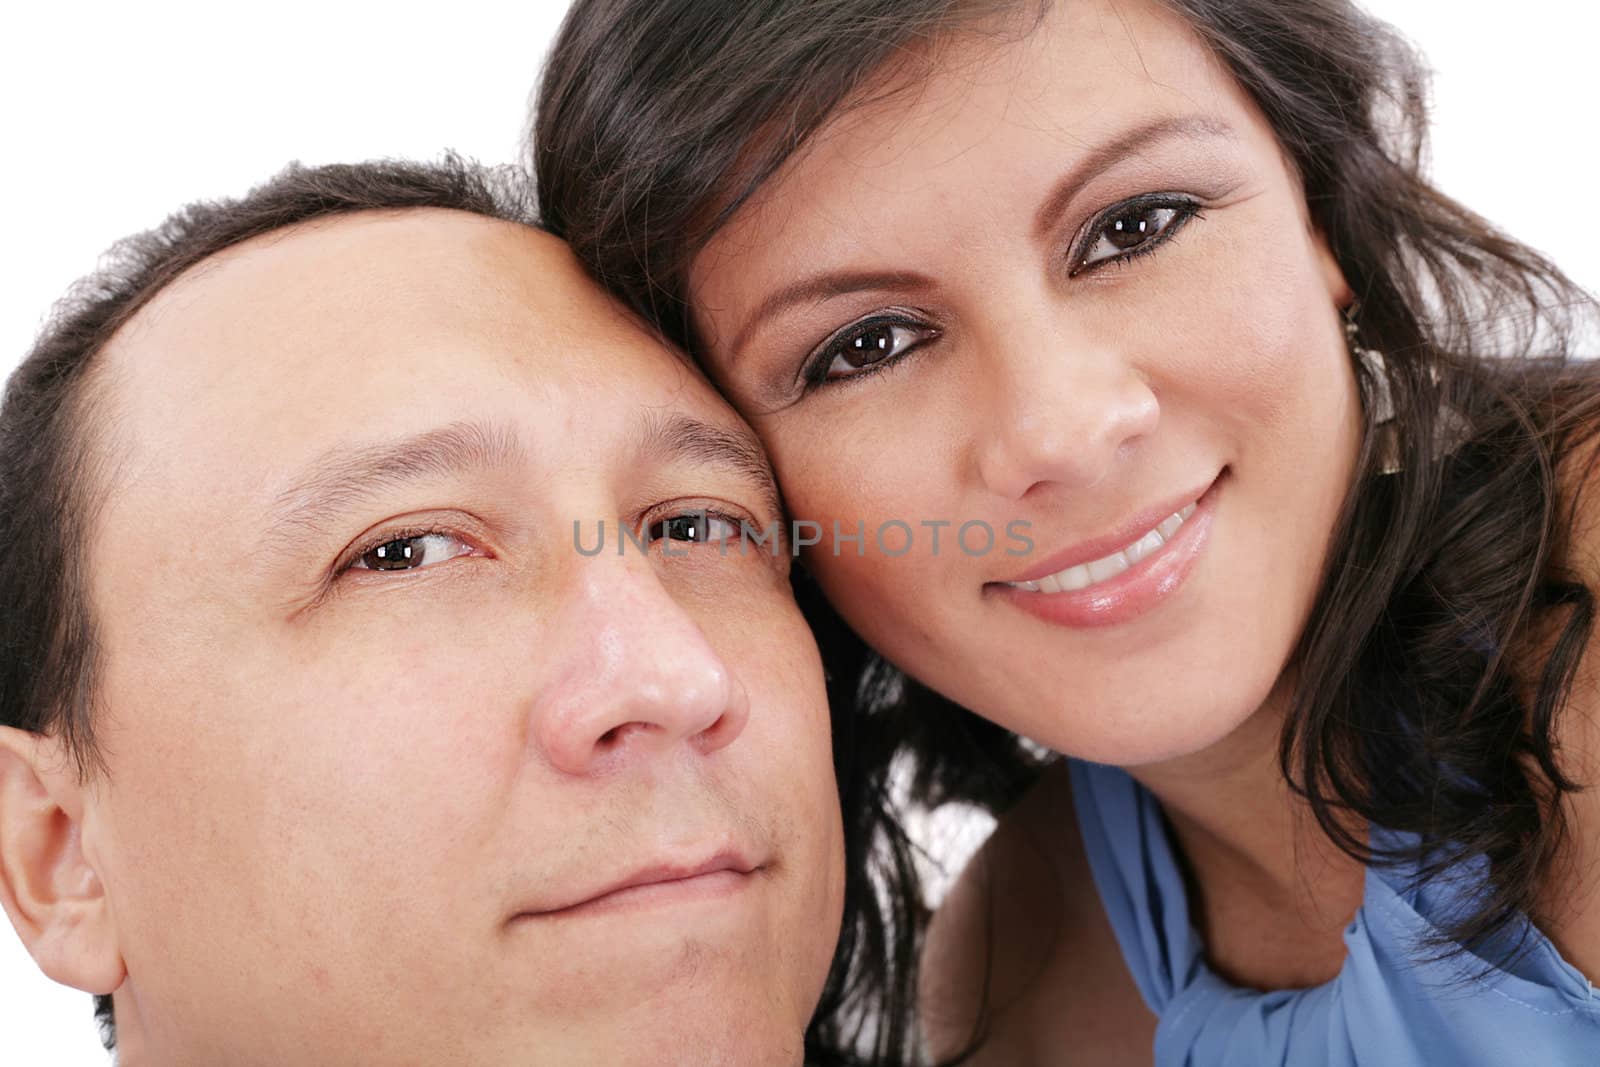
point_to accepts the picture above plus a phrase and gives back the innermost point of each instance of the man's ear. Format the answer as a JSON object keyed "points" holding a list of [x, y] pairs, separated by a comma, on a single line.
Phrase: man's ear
{"points": [[50, 889]]}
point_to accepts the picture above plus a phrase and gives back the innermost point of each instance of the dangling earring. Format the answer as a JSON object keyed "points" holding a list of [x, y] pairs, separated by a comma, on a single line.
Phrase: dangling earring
{"points": [[1381, 414]]}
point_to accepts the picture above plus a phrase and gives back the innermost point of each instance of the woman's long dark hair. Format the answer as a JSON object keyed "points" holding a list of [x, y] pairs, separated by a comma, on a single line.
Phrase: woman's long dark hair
{"points": [[1447, 630]]}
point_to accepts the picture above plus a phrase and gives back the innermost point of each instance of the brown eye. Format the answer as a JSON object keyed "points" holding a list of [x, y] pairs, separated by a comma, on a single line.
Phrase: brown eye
{"points": [[869, 345], [698, 527], [410, 553], [1133, 229]]}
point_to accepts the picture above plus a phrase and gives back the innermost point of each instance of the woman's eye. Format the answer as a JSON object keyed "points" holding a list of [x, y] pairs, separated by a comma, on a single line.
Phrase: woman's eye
{"points": [[1132, 230], [411, 553], [698, 527], [867, 346]]}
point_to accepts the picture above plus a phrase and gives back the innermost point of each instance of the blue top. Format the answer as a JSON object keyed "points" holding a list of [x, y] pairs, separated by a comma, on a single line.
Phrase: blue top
{"points": [[1387, 1007]]}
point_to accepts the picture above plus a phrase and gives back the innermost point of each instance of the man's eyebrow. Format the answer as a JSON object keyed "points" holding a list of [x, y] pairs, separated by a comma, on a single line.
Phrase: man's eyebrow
{"points": [[663, 438], [1123, 146], [344, 476]]}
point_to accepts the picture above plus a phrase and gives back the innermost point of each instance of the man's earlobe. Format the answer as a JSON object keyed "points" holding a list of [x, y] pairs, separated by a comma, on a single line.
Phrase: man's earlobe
{"points": [[51, 891]]}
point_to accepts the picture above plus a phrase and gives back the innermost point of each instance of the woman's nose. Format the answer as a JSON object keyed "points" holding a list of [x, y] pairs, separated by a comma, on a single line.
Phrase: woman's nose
{"points": [[1060, 416]]}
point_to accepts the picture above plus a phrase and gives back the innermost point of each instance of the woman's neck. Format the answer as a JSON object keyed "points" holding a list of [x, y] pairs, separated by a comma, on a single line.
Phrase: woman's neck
{"points": [[1269, 891]]}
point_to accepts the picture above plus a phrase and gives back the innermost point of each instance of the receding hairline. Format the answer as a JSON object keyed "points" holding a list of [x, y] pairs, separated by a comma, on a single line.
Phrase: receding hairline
{"points": [[104, 406], [196, 274], [96, 454]]}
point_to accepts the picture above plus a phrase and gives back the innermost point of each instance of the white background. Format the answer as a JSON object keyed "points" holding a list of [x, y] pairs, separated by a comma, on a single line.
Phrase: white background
{"points": [[114, 115]]}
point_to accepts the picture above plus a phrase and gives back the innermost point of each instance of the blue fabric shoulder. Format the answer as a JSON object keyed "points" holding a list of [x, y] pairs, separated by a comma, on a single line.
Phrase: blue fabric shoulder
{"points": [[1389, 1006]]}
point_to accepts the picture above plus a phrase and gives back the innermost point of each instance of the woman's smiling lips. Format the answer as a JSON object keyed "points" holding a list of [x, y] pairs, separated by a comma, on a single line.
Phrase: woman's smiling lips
{"points": [[1119, 576]]}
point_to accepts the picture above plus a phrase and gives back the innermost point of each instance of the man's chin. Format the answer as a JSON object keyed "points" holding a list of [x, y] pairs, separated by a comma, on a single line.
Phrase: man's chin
{"points": [[693, 1007], [731, 1035]]}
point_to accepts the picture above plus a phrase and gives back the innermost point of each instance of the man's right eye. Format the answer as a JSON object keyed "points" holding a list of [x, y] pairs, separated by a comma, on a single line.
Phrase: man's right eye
{"points": [[697, 527], [409, 552]]}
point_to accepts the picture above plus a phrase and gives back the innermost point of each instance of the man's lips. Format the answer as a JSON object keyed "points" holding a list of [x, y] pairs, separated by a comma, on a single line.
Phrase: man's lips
{"points": [[723, 872]]}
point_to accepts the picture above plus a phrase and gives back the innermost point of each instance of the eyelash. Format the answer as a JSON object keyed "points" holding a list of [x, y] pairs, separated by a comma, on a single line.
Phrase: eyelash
{"points": [[680, 512], [407, 533], [1185, 209], [814, 373]]}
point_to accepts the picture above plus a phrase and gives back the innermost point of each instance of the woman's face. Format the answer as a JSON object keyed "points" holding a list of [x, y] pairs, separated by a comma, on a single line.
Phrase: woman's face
{"points": [[1067, 287]]}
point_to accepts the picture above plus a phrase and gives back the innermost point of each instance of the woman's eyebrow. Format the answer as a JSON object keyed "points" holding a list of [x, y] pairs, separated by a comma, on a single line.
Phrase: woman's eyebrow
{"points": [[1123, 146], [666, 438], [820, 287], [1130, 143], [343, 476]]}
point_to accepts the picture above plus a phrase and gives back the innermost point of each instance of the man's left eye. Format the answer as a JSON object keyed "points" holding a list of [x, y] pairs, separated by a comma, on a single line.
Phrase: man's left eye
{"points": [[698, 527], [411, 553]]}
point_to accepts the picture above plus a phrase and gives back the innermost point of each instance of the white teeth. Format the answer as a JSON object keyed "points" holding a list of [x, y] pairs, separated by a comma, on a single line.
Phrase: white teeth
{"points": [[1086, 574], [1110, 567], [1145, 545], [1073, 578]]}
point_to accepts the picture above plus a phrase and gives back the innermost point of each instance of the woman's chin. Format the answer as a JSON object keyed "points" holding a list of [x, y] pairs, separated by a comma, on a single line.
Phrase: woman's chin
{"points": [[1154, 730]]}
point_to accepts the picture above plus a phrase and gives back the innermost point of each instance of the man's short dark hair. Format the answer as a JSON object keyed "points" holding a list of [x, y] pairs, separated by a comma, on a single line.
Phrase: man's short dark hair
{"points": [[48, 488]]}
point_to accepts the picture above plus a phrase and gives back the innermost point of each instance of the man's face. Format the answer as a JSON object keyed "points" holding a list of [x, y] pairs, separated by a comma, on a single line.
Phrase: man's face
{"points": [[381, 741]]}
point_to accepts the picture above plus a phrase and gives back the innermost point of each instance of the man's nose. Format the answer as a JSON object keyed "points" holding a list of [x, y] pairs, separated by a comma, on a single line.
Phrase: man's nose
{"points": [[631, 674]]}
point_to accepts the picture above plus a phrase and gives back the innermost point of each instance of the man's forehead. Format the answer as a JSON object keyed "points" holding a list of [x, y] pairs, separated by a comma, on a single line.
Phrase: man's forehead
{"points": [[357, 263], [371, 329], [355, 315]]}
